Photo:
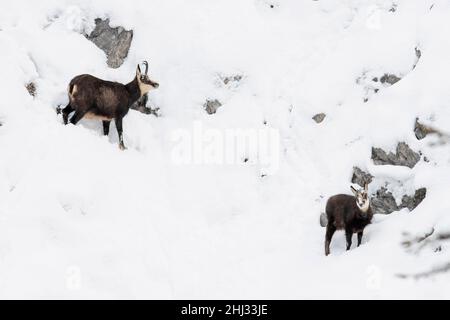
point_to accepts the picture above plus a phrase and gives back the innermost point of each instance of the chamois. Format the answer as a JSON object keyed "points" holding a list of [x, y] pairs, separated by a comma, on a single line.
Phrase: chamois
{"points": [[93, 98], [349, 213]]}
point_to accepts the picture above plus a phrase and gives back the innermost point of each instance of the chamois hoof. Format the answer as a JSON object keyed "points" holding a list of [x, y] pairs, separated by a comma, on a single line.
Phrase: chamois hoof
{"points": [[122, 147], [58, 110]]}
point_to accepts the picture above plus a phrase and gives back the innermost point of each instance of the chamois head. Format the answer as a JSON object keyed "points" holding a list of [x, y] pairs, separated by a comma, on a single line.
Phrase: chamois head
{"points": [[145, 83], [362, 198]]}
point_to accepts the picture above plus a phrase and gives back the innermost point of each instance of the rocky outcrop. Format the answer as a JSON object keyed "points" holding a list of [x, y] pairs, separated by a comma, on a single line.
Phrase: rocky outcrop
{"points": [[230, 79], [115, 42], [389, 79], [360, 177], [211, 106], [418, 56], [318, 118], [383, 202], [404, 156], [411, 202], [372, 82], [31, 88]]}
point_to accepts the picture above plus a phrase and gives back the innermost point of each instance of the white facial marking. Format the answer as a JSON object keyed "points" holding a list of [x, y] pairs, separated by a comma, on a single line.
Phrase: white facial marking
{"points": [[144, 88], [365, 206]]}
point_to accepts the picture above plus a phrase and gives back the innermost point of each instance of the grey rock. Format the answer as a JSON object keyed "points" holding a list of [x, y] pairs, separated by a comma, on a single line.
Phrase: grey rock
{"points": [[383, 202], [235, 78], [318, 118], [31, 88], [211, 106], [411, 202], [389, 79], [418, 56], [372, 83], [418, 52], [115, 42], [360, 177], [404, 156]]}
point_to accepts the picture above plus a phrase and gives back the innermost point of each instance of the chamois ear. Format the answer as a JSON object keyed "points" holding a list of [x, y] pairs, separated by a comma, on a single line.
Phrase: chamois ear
{"points": [[138, 71], [355, 192]]}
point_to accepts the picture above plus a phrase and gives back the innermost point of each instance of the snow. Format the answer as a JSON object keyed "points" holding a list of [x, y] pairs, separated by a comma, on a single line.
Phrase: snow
{"points": [[81, 219]]}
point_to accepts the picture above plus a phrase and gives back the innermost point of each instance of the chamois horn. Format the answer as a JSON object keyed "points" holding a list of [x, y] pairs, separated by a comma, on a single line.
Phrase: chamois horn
{"points": [[145, 63]]}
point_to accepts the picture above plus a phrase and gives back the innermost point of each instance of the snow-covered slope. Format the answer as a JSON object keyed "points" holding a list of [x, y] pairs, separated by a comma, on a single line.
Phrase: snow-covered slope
{"points": [[81, 219]]}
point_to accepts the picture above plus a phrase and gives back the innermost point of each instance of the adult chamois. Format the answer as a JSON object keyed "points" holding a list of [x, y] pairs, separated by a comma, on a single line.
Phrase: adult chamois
{"points": [[349, 213], [93, 98]]}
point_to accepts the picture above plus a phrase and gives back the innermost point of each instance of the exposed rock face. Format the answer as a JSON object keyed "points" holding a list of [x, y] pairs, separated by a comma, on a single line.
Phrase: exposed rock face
{"points": [[372, 82], [418, 56], [31, 88], [211, 106], [411, 202], [115, 42], [383, 202], [404, 156], [318, 118], [418, 52], [390, 79], [229, 79], [360, 177]]}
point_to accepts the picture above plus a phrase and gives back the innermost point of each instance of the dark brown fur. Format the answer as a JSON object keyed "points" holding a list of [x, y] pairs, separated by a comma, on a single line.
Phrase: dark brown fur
{"points": [[103, 98], [344, 214], [95, 98]]}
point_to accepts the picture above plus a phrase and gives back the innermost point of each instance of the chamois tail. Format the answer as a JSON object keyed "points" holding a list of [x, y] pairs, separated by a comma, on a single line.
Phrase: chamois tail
{"points": [[323, 220]]}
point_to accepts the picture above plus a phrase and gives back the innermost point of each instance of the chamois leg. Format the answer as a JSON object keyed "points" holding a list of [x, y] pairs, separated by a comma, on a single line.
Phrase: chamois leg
{"points": [[106, 127], [348, 237], [77, 117], [65, 112], [360, 235], [118, 122], [328, 235]]}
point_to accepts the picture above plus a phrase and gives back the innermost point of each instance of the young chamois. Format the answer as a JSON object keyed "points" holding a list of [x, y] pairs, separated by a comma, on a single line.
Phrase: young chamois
{"points": [[349, 213], [93, 98]]}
